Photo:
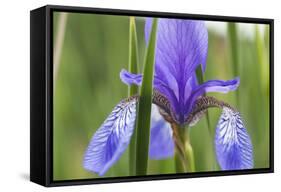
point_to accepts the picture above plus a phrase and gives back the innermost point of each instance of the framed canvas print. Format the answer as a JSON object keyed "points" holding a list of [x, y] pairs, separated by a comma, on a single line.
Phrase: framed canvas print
{"points": [[122, 95]]}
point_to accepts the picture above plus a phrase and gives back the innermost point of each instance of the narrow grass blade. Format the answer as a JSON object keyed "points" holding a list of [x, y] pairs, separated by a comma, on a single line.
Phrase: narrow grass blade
{"points": [[262, 57], [200, 78], [58, 44], [234, 55], [144, 108], [133, 89]]}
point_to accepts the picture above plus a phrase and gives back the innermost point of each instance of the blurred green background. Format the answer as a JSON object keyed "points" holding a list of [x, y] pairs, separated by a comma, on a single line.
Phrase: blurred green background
{"points": [[93, 50]]}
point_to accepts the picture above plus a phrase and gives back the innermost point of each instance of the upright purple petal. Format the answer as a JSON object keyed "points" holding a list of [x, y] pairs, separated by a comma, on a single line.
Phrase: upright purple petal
{"points": [[233, 144], [185, 38], [182, 45], [161, 137], [211, 86], [112, 138]]}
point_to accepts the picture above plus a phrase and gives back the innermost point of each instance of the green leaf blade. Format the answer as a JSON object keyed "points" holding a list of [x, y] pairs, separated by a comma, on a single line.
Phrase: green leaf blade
{"points": [[133, 89], [144, 107], [234, 53], [200, 78]]}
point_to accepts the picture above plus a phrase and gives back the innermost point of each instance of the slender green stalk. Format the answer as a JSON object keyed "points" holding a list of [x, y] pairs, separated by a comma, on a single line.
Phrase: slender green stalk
{"points": [[232, 32], [200, 78], [133, 89], [262, 57], [180, 164], [234, 53], [184, 157], [144, 107], [58, 44], [190, 155]]}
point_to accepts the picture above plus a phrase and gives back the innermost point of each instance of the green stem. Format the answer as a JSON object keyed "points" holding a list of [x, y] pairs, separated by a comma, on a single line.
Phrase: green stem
{"points": [[234, 53], [200, 78], [133, 89], [190, 156], [180, 165], [184, 157], [59, 41]]}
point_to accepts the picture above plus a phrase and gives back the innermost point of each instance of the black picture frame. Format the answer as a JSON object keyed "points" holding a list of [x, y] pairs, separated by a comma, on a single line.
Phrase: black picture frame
{"points": [[41, 94]]}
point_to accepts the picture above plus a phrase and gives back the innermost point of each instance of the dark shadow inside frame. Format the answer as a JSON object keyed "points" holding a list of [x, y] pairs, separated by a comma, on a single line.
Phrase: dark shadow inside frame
{"points": [[41, 99]]}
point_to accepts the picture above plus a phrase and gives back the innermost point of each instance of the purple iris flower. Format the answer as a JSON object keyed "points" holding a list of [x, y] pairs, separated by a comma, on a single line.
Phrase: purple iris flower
{"points": [[182, 46]]}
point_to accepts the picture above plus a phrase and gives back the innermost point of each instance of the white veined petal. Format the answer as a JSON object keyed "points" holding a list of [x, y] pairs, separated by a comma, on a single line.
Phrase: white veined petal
{"points": [[233, 144], [112, 138]]}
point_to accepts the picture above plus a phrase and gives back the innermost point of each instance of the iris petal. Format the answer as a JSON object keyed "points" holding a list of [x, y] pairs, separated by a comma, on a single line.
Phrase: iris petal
{"points": [[182, 45], [233, 144], [112, 138], [161, 137], [130, 78], [211, 86]]}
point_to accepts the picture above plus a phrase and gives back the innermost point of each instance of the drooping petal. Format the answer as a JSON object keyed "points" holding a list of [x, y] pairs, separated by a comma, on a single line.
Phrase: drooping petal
{"points": [[112, 138], [182, 45], [211, 86], [233, 144], [161, 137], [130, 78]]}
